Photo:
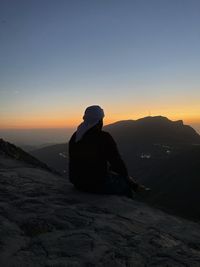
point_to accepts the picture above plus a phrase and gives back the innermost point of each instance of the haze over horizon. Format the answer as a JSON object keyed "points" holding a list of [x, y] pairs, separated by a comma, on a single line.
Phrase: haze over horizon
{"points": [[134, 58]]}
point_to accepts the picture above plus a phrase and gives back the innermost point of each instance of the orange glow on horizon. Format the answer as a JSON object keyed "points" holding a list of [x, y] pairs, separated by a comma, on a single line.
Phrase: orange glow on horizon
{"points": [[49, 122]]}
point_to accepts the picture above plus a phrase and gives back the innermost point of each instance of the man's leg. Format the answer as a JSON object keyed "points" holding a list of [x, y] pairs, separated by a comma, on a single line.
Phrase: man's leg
{"points": [[116, 184]]}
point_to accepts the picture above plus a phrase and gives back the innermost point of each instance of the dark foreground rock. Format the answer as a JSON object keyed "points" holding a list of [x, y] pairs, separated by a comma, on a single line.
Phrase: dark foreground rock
{"points": [[45, 222]]}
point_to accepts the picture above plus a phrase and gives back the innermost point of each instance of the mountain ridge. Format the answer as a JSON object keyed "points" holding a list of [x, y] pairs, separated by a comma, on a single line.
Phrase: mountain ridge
{"points": [[150, 129]]}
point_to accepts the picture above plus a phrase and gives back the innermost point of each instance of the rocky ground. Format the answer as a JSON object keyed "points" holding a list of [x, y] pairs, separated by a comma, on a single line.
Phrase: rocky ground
{"points": [[44, 221]]}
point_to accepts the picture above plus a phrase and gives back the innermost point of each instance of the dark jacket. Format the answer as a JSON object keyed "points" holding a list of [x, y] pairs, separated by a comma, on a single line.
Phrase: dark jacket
{"points": [[91, 158]]}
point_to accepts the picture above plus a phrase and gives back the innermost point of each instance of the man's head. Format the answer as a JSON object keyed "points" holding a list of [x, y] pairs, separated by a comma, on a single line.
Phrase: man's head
{"points": [[93, 115]]}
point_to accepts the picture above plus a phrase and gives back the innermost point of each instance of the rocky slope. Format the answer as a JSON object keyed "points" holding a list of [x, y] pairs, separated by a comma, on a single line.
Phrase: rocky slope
{"points": [[10, 150], [44, 221]]}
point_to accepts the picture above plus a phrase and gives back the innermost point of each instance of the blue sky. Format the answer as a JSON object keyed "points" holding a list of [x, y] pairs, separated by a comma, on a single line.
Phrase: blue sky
{"points": [[131, 57]]}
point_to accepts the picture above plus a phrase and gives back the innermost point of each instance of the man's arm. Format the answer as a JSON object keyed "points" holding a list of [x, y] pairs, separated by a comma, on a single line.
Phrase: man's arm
{"points": [[113, 156]]}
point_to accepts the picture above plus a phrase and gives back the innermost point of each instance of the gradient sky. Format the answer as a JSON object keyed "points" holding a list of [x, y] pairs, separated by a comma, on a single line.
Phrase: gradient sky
{"points": [[134, 58]]}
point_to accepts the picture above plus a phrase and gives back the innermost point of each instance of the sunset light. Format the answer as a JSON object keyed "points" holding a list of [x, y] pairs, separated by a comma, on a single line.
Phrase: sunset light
{"points": [[135, 59]]}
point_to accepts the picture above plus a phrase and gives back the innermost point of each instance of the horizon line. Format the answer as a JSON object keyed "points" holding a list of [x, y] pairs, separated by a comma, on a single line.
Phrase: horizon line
{"points": [[185, 121]]}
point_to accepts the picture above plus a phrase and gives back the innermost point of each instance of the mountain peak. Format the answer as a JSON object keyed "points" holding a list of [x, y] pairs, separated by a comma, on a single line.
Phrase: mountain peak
{"points": [[147, 120], [158, 119]]}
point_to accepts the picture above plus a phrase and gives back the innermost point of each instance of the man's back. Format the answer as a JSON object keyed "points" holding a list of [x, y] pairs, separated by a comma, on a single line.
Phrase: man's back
{"points": [[89, 158]]}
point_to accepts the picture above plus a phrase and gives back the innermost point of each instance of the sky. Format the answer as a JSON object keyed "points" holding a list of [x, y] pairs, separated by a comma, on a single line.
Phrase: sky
{"points": [[132, 57]]}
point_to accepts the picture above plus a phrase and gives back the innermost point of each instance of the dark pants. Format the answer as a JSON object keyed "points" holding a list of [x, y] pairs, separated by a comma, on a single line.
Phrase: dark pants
{"points": [[114, 184], [117, 185]]}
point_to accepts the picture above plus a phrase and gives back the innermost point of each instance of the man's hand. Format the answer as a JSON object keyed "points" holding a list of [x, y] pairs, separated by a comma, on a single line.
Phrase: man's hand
{"points": [[138, 187]]}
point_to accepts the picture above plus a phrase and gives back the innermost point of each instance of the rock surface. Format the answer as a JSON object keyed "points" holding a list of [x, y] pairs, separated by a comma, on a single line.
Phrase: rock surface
{"points": [[44, 221]]}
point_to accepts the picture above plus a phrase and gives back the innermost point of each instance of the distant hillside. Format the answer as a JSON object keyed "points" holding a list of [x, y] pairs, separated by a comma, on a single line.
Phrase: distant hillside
{"points": [[55, 156], [175, 181]]}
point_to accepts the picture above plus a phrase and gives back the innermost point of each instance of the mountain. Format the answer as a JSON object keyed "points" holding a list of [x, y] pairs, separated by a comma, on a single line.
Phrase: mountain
{"points": [[44, 221], [150, 130], [153, 136]]}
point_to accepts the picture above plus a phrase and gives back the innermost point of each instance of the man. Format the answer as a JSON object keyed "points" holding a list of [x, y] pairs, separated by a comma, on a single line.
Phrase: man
{"points": [[95, 164]]}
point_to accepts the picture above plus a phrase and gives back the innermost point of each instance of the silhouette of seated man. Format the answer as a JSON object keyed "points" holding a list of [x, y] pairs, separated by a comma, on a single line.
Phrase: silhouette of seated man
{"points": [[95, 164]]}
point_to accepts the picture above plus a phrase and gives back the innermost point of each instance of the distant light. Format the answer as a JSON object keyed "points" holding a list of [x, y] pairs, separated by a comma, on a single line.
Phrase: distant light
{"points": [[145, 156], [63, 155]]}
